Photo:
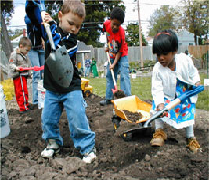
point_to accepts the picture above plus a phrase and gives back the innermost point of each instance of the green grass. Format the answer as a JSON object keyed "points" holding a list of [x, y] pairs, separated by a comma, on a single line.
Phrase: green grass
{"points": [[203, 97], [141, 87]]}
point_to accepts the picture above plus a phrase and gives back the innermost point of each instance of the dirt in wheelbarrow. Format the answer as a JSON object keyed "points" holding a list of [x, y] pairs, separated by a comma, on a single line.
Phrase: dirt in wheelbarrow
{"points": [[133, 116], [116, 159]]}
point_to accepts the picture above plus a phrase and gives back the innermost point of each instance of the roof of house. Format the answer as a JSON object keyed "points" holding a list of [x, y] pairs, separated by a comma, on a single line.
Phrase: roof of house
{"points": [[83, 48]]}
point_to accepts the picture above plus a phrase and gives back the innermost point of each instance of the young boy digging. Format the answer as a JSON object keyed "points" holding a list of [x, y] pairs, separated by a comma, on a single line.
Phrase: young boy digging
{"points": [[70, 18], [118, 50]]}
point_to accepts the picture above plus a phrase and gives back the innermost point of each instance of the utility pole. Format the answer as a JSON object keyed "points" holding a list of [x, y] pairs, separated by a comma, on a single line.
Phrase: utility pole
{"points": [[140, 36]]}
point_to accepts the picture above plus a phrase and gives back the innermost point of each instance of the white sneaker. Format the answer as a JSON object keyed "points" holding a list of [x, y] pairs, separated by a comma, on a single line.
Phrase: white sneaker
{"points": [[51, 149], [89, 157]]}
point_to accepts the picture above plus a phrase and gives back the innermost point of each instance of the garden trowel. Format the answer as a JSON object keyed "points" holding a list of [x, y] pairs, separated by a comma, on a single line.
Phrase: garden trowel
{"points": [[59, 62]]}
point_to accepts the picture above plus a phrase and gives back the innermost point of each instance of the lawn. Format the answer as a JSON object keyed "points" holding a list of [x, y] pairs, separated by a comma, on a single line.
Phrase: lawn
{"points": [[141, 87]]}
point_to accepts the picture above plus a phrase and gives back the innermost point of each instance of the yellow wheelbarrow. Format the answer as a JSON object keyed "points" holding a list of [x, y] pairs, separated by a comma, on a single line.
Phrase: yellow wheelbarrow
{"points": [[122, 125]]}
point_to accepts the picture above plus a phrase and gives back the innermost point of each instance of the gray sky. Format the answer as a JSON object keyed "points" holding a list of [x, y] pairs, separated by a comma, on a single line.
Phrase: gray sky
{"points": [[147, 7]]}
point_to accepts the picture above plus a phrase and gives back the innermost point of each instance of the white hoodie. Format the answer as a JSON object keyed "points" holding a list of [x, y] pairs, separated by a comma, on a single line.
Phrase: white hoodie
{"points": [[164, 80]]}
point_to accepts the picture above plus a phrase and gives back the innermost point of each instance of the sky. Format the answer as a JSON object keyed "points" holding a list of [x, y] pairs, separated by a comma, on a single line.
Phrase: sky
{"points": [[147, 8]]}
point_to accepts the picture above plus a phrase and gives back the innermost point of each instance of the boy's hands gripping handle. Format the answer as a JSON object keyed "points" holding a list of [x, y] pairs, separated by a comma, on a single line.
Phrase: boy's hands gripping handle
{"points": [[112, 72]]}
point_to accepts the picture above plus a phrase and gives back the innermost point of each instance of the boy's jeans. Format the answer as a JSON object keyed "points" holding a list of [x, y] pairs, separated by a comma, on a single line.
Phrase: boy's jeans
{"points": [[37, 58], [87, 71], [125, 85], [74, 105]]}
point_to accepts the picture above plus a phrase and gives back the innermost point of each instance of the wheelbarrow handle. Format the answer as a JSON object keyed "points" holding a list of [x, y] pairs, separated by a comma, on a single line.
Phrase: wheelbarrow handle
{"points": [[112, 72]]}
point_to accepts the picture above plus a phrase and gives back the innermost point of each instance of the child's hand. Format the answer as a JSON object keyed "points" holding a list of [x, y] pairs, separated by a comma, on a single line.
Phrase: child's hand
{"points": [[197, 83], [107, 49], [161, 107], [17, 69], [112, 66], [46, 17]]}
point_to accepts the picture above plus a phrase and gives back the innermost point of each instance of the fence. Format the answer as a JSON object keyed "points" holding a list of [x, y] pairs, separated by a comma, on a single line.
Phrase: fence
{"points": [[198, 51], [133, 54]]}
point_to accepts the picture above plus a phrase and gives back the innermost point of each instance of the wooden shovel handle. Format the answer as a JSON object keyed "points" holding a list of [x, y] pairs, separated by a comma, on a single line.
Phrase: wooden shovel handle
{"points": [[173, 104], [170, 106], [48, 31], [112, 72]]}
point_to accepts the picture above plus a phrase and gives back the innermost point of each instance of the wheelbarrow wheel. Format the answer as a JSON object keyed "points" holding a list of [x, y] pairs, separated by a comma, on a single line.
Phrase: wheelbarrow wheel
{"points": [[116, 122], [127, 136], [87, 93]]}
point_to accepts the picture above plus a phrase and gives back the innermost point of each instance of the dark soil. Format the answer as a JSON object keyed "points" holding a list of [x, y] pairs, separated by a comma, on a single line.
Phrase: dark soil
{"points": [[116, 159], [132, 116], [119, 94]]}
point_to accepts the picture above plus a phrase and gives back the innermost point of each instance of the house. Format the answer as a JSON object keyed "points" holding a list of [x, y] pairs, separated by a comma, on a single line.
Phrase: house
{"points": [[185, 38], [15, 42], [82, 51], [149, 40]]}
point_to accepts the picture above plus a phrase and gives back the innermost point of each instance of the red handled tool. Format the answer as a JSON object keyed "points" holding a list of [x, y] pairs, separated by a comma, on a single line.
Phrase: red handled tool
{"points": [[113, 77], [35, 68]]}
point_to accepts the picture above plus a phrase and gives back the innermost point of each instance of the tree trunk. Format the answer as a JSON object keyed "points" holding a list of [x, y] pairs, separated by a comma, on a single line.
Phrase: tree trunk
{"points": [[195, 39], [7, 45]]}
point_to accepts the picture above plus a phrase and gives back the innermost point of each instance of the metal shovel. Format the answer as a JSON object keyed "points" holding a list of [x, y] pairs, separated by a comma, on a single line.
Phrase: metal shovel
{"points": [[59, 62]]}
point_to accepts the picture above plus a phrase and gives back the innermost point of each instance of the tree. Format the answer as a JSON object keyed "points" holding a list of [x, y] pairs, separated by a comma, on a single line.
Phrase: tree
{"points": [[96, 12], [161, 19], [6, 13], [195, 17], [132, 37]]}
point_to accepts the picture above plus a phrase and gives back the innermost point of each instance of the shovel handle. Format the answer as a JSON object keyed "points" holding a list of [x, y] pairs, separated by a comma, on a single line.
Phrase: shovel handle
{"points": [[112, 72], [170, 106], [35, 68], [48, 31]]}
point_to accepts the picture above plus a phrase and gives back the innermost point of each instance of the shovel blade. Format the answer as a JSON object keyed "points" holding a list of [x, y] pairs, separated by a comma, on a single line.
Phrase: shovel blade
{"points": [[61, 67]]}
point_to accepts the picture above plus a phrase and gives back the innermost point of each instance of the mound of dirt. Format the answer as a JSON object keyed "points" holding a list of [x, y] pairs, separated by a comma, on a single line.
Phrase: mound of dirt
{"points": [[116, 159]]}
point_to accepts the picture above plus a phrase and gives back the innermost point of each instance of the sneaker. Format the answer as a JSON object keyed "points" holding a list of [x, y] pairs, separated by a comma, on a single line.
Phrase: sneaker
{"points": [[105, 102], [33, 106], [51, 149], [158, 138], [89, 157], [25, 111], [192, 144]]}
